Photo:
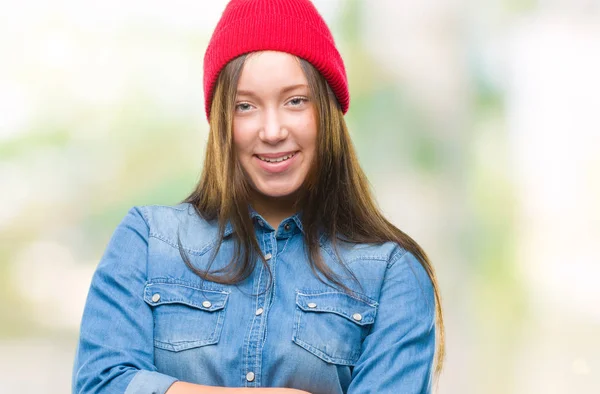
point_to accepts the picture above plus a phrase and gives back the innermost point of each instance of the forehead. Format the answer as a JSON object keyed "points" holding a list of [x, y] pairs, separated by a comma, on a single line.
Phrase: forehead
{"points": [[268, 70]]}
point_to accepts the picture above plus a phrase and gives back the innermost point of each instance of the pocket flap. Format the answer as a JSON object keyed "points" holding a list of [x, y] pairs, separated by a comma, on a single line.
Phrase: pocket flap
{"points": [[359, 311], [176, 293]]}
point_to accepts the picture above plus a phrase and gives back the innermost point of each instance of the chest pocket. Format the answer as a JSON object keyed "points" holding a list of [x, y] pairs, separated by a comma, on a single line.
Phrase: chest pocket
{"points": [[332, 325], [185, 316]]}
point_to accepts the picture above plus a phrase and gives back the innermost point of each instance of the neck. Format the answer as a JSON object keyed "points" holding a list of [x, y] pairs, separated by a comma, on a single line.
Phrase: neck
{"points": [[274, 209]]}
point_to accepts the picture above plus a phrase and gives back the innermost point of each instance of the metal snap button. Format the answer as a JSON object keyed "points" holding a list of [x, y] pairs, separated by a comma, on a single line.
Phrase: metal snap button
{"points": [[259, 311], [156, 297], [250, 376], [206, 304], [312, 305], [357, 317], [268, 256], [287, 227]]}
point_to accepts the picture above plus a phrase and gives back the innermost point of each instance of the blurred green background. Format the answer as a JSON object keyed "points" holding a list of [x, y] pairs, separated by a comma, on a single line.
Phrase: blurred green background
{"points": [[478, 124]]}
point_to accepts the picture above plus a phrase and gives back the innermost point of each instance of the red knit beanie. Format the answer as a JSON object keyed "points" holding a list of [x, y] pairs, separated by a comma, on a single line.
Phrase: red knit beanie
{"points": [[291, 26]]}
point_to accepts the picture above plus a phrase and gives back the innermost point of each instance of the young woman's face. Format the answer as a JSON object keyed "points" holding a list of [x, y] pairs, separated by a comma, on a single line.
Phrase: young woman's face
{"points": [[274, 123]]}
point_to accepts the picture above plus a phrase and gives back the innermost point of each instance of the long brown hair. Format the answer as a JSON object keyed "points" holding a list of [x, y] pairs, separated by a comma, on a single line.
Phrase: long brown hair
{"points": [[336, 199]]}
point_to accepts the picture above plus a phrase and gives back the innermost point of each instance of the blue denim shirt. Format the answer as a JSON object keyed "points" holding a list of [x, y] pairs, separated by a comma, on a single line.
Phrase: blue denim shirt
{"points": [[150, 321]]}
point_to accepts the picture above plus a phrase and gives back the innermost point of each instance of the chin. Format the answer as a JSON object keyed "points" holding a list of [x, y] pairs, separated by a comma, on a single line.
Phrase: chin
{"points": [[277, 191]]}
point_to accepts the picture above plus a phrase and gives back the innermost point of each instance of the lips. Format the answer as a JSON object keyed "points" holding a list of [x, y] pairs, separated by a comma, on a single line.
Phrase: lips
{"points": [[276, 159], [275, 163]]}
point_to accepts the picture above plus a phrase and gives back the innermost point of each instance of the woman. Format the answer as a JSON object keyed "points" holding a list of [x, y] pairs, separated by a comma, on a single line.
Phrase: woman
{"points": [[278, 273]]}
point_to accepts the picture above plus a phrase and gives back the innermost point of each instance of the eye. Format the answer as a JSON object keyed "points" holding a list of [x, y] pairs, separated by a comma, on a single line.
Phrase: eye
{"points": [[243, 107], [297, 101]]}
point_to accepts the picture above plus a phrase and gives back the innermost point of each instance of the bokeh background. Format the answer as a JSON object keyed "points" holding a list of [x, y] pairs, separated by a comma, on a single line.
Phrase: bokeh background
{"points": [[477, 122]]}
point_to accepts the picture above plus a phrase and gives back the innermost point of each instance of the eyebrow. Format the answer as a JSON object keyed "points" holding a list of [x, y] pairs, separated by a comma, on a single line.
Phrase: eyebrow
{"points": [[283, 91]]}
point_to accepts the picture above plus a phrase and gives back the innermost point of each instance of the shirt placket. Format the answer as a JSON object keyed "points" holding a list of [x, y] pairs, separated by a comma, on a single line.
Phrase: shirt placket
{"points": [[262, 294]]}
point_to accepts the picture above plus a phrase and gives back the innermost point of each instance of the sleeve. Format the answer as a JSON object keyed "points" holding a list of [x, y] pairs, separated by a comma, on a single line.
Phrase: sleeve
{"points": [[397, 355], [115, 352]]}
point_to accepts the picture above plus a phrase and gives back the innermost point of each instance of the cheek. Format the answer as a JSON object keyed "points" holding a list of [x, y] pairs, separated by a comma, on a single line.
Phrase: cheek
{"points": [[242, 136], [309, 138], [307, 127]]}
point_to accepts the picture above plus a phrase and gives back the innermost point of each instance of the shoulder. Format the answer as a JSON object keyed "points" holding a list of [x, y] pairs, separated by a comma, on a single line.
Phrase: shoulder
{"points": [[350, 252], [389, 253], [408, 272], [164, 216], [401, 271], [174, 223]]}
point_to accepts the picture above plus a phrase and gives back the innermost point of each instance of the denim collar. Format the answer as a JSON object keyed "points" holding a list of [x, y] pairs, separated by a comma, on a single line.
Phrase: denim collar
{"points": [[257, 218]]}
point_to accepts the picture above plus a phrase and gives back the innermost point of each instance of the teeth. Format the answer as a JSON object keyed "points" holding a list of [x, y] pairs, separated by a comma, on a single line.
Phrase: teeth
{"points": [[277, 160]]}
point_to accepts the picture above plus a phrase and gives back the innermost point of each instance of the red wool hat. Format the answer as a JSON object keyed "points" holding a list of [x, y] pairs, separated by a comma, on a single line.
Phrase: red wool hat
{"points": [[291, 26]]}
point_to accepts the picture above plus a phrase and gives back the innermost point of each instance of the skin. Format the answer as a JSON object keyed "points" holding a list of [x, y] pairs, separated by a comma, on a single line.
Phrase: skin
{"points": [[274, 115], [188, 388]]}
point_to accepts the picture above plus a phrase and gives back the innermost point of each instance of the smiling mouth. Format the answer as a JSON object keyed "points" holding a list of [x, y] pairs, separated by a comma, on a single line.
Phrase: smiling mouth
{"points": [[276, 159]]}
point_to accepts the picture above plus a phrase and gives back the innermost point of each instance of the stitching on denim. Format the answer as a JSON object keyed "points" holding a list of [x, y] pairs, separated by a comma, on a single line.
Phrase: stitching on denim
{"points": [[322, 355], [155, 234], [285, 244], [212, 308], [368, 316], [178, 207], [396, 256], [297, 322], [367, 300], [299, 223], [369, 258], [145, 215], [184, 345], [182, 283], [168, 241], [256, 306], [334, 257]]}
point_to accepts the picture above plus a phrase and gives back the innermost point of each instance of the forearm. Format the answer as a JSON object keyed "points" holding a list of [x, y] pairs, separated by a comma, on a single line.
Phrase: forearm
{"points": [[189, 388]]}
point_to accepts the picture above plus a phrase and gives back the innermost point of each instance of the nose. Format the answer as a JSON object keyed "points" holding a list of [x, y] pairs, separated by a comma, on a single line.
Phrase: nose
{"points": [[273, 130]]}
